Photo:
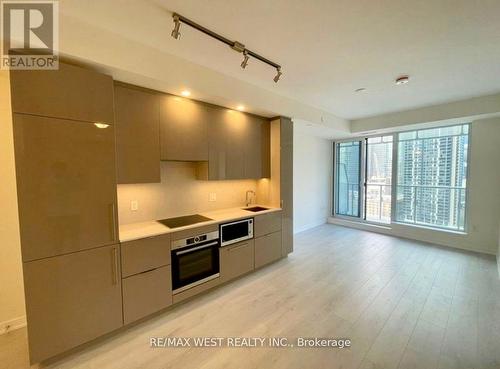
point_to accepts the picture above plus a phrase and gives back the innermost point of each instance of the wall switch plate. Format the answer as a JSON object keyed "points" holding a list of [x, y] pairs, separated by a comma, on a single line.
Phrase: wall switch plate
{"points": [[134, 205], [212, 196]]}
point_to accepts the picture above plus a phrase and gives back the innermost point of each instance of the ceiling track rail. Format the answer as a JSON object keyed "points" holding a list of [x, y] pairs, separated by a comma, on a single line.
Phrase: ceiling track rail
{"points": [[235, 45]]}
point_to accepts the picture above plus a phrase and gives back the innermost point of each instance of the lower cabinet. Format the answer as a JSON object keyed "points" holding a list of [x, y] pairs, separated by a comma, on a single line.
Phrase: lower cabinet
{"points": [[236, 260], [72, 299], [146, 293], [267, 249]]}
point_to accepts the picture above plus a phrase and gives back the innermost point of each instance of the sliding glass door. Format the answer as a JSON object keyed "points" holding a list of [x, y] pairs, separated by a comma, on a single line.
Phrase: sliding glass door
{"points": [[348, 178], [413, 177], [378, 179]]}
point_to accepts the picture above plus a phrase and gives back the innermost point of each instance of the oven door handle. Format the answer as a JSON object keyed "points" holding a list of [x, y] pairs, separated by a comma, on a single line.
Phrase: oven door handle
{"points": [[182, 252]]}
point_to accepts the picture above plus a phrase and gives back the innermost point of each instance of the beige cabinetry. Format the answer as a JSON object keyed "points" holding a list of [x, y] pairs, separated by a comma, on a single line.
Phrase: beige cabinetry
{"points": [[286, 182], [137, 120], [268, 234], [145, 254], [239, 146], [267, 249], [146, 293], [66, 185], [183, 129], [267, 223], [147, 283], [72, 299], [70, 92], [236, 260]]}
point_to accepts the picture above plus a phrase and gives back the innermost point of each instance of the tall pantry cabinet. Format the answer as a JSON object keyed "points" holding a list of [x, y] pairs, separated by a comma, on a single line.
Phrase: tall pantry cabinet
{"points": [[65, 166]]}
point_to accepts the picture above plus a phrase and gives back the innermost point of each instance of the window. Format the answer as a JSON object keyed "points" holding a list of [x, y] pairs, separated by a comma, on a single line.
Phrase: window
{"points": [[432, 175], [416, 177], [378, 182], [348, 164]]}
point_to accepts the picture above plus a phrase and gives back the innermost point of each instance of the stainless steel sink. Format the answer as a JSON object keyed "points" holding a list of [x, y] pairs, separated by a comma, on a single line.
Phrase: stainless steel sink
{"points": [[256, 209]]}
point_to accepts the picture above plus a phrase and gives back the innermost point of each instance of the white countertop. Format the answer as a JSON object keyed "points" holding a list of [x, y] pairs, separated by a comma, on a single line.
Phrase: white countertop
{"points": [[135, 231]]}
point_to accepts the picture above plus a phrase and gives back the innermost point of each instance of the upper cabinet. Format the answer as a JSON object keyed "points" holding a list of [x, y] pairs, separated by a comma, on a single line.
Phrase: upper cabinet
{"points": [[69, 92], [183, 129], [137, 119], [239, 146]]}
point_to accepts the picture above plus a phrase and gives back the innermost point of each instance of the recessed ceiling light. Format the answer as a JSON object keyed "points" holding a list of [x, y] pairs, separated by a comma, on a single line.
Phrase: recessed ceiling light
{"points": [[240, 107], [362, 89], [186, 93], [402, 80]]}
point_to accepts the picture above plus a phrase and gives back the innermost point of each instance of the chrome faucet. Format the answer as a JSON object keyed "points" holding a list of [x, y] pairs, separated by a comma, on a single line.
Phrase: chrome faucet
{"points": [[249, 198]]}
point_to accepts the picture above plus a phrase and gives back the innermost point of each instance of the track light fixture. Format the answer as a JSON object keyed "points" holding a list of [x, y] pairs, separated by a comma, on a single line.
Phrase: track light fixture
{"points": [[235, 45], [244, 63], [278, 75], [177, 24]]}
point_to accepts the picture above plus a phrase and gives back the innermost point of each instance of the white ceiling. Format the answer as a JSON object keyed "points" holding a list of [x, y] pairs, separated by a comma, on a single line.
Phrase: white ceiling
{"points": [[328, 48]]}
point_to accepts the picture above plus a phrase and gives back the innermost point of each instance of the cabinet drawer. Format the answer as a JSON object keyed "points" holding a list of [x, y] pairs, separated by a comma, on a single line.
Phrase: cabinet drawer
{"points": [[145, 254], [146, 293], [237, 259], [267, 249], [70, 92], [267, 223]]}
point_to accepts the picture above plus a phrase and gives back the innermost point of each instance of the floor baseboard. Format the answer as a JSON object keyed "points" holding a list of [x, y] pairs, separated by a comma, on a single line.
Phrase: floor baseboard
{"points": [[13, 324]]}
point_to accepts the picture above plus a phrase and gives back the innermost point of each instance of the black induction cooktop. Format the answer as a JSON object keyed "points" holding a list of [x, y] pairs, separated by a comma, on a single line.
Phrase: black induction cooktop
{"points": [[183, 221]]}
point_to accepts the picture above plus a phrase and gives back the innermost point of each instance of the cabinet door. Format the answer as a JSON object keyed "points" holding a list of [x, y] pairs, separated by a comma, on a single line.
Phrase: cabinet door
{"points": [[257, 148], [70, 92], [146, 293], [71, 299], [137, 119], [286, 183], [66, 185], [183, 129], [236, 260], [267, 249]]}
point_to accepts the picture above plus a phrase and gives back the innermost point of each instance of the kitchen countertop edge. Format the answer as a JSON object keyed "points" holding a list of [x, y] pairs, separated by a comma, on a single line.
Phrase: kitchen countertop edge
{"points": [[140, 230]]}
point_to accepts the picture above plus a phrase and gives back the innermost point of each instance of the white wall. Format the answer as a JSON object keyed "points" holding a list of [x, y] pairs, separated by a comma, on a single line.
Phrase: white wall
{"points": [[312, 171], [179, 193], [12, 313], [483, 212]]}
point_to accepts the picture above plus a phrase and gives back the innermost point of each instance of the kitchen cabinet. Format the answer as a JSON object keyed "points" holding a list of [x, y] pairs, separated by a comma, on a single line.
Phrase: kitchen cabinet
{"points": [[145, 254], [286, 182], [70, 92], [72, 299], [267, 223], [267, 249], [137, 120], [236, 260], [183, 129], [146, 293], [66, 185], [239, 146]]}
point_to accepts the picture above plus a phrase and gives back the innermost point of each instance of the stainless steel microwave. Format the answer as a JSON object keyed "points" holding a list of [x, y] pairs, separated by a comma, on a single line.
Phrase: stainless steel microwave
{"points": [[237, 231]]}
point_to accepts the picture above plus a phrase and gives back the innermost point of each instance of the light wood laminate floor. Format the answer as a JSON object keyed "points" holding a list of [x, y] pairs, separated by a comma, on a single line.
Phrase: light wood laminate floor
{"points": [[404, 304]]}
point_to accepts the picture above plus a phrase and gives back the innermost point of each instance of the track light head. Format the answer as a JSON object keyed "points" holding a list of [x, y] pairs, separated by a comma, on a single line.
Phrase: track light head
{"points": [[244, 63], [177, 24], [278, 75]]}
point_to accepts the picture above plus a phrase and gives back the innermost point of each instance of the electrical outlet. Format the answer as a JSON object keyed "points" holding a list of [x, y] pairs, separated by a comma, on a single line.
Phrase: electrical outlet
{"points": [[134, 205], [212, 196]]}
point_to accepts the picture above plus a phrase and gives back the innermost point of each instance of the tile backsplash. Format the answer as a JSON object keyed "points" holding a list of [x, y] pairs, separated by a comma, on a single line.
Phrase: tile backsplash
{"points": [[179, 193]]}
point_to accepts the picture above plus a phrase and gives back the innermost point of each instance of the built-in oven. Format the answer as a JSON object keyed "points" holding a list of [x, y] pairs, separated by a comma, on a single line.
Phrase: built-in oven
{"points": [[237, 231], [195, 260]]}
